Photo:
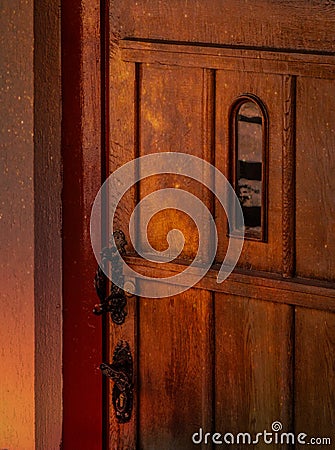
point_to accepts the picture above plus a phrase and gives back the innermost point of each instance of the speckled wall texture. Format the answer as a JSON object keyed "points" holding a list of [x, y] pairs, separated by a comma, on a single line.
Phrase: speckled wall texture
{"points": [[17, 226], [28, 342]]}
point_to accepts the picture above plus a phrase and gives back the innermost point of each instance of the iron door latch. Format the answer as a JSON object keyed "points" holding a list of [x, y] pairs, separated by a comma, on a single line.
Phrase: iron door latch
{"points": [[121, 372], [116, 301]]}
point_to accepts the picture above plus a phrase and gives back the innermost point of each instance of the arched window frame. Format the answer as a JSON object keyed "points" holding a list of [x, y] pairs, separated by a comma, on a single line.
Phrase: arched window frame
{"points": [[233, 156]]}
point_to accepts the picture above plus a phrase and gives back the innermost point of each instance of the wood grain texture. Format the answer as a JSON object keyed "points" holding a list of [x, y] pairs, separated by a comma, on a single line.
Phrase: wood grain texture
{"points": [[124, 436], [288, 177], [208, 150], [253, 365], [315, 158], [307, 26], [257, 285], [122, 131], [227, 364], [176, 367], [229, 58], [315, 373], [81, 156], [268, 88], [175, 105]]}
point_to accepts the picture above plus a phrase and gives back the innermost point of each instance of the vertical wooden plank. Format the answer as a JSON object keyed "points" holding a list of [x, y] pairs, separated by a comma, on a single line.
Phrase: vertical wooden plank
{"points": [[253, 365], [175, 368], [315, 207], [288, 178], [123, 106], [123, 436], [315, 374], [123, 135]]}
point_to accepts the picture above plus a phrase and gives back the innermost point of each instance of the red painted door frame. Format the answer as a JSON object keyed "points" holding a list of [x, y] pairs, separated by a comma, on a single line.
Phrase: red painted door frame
{"points": [[82, 169]]}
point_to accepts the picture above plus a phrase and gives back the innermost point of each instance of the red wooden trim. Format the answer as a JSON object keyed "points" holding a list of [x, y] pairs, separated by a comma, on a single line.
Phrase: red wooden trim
{"points": [[81, 124]]}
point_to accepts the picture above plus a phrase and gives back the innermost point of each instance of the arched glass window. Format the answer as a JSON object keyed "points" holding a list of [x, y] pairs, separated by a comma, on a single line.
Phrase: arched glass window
{"points": [[248, 127]]}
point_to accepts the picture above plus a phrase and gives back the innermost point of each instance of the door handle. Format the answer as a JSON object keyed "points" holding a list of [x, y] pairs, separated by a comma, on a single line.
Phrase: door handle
{"points": [[121, 372], [116, 301]]}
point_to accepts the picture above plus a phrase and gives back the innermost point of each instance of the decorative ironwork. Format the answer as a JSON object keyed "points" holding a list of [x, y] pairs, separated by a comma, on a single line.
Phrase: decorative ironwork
{"points": [[121, 372], [116, 301]]}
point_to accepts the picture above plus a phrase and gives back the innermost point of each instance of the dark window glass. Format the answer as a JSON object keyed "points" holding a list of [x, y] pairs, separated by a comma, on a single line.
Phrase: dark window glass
{"points": [[249, 166]]}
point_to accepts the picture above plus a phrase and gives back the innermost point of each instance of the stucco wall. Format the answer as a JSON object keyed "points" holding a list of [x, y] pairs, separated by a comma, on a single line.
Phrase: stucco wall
{"points": [[47, 195], [30, 333], [17, 227]]}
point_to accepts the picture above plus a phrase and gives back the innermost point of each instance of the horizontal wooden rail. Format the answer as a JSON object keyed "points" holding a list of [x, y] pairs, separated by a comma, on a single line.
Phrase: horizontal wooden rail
{"points": [[257, 285], [252, 60]]}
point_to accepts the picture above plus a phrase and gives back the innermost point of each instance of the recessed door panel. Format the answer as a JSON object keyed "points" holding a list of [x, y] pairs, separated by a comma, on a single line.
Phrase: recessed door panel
{"points": [[315, 374], [253, 365], [315, 215], [173, 108], [230, 87], [175, 368]]}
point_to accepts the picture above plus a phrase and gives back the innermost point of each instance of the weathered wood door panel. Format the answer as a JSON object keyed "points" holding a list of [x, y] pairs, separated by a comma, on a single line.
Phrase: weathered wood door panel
{"points": [[175, 368], [315, 178], [268, 88], [314, 371], [254, 362], [170, 125], [232, 357]]}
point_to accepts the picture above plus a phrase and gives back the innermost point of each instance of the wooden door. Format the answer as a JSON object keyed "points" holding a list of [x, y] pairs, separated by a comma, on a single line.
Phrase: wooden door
{"points": [[236, 357]]}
